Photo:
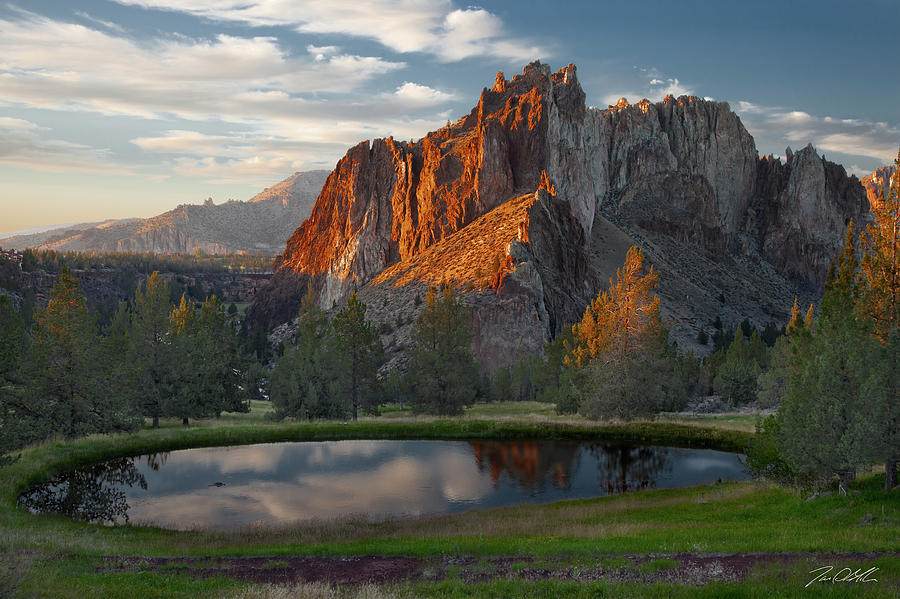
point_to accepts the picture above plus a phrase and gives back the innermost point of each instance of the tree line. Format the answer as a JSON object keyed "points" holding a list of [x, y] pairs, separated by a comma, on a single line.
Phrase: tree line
{"points": [[67, 375], [145, 263], [330, 367]]}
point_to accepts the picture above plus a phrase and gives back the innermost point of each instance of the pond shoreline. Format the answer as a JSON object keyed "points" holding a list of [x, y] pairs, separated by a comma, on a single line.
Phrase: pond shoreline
{"points": [[46, 460]]}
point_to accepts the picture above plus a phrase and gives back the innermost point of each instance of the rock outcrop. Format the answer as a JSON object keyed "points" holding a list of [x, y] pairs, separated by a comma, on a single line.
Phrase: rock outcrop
{"points": [[504, 204], [877, 182], [800, 212], [260, 225]]}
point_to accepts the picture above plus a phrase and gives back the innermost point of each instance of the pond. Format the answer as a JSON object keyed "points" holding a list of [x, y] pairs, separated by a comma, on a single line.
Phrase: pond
{"points": [[280, 483]]}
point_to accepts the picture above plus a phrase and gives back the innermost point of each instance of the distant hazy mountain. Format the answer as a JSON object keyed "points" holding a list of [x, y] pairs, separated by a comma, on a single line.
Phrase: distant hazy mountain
{"points": [[260, 225]]}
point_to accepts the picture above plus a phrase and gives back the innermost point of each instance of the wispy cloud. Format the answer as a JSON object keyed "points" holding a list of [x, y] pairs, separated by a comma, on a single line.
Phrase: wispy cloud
{"points": [[24, 146], [855, 137], [429, 26], [65, 66], [108, 24]]}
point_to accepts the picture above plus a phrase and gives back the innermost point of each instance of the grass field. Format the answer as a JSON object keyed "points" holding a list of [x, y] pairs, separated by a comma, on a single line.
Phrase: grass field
{"points": [[580, 548]]}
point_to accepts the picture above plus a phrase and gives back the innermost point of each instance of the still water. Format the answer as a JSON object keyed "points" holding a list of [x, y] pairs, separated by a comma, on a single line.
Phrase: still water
{"points": [[279, 483]]}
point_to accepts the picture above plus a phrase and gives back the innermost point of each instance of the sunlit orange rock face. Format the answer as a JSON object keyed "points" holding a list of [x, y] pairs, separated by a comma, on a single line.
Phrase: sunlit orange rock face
{"points": [[528, 204], [877, 183], [388, 200]]}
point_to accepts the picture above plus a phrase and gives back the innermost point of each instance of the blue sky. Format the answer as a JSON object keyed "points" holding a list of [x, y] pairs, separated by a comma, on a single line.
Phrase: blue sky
{"points": [[120, 108]]}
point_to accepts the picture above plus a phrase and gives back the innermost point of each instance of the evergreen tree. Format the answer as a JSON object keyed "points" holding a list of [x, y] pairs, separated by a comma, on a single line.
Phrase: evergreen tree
{"points": [[771, 384], [308, 381], [118, 372], [65, 389], [14, 341], [442, 374], [623, 344], [362, 353], [623, 320], [702, 337], [735, 380], [879, 303], [14, 344], [149, 350], [825, 418]]}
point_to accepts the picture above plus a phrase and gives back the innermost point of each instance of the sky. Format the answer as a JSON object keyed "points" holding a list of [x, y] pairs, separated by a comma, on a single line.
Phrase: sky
{"points": [[128, 108]]}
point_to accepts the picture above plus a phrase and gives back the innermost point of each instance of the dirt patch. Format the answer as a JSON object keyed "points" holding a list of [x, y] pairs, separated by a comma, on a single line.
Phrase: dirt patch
{"points": [[278, 569], [685, 568]]}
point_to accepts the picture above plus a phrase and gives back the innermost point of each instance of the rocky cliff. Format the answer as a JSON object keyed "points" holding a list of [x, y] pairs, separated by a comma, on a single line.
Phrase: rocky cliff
{"points": [[528, 202], [260, 225], [877, 182]]}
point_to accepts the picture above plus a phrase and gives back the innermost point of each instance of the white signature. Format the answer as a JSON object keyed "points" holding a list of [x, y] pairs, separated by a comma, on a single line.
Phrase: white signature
{"points": [[842, 575]]}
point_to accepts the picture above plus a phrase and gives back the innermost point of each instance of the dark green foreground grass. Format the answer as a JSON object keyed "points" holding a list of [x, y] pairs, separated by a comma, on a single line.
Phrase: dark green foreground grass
{"points": [[56, 557]]}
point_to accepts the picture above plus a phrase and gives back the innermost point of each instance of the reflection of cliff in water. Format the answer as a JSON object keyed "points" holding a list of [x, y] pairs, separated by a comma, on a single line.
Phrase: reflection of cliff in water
{"points": [[622, 468], [95, 493], [530, 463]]}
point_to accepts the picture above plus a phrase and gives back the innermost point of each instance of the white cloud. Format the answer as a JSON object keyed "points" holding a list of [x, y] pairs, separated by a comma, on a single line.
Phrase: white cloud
{"points": [[65, 66], [856, 137], [651, 85], [670, 86], [430, 26], [23, 146], [107, 24], [254, 169], [421, 95], [9, 124]]}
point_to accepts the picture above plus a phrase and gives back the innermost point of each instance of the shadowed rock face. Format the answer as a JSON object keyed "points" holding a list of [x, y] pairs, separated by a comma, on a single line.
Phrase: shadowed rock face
{"points": [[460, 206], [801, 212]]}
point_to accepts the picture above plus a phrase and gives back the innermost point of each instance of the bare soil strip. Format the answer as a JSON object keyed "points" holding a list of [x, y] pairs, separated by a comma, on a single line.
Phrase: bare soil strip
{"points": [[685, 568]]}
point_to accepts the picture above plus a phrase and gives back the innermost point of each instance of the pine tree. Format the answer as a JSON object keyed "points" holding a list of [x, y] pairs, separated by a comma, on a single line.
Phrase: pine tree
{"points": [[736, 378], [308, 380], [442, 373], [150, 350], [362, 353], [14, 341], [65, 389], [621, 321], [14, 345], [879, 303], [825, 418], [622, 342]]}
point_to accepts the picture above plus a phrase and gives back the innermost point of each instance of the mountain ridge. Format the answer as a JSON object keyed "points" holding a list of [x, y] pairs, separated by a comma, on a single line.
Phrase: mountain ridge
{"points": [[259, 225]]}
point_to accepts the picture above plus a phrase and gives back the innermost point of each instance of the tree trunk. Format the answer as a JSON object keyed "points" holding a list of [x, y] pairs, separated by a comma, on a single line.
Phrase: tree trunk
{"points": [[156, 422], [844, 479], [890, 474]]}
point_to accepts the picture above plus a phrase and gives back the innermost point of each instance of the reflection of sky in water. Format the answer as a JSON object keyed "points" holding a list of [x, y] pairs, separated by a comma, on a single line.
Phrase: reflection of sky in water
{"points": [[286, 482]]}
